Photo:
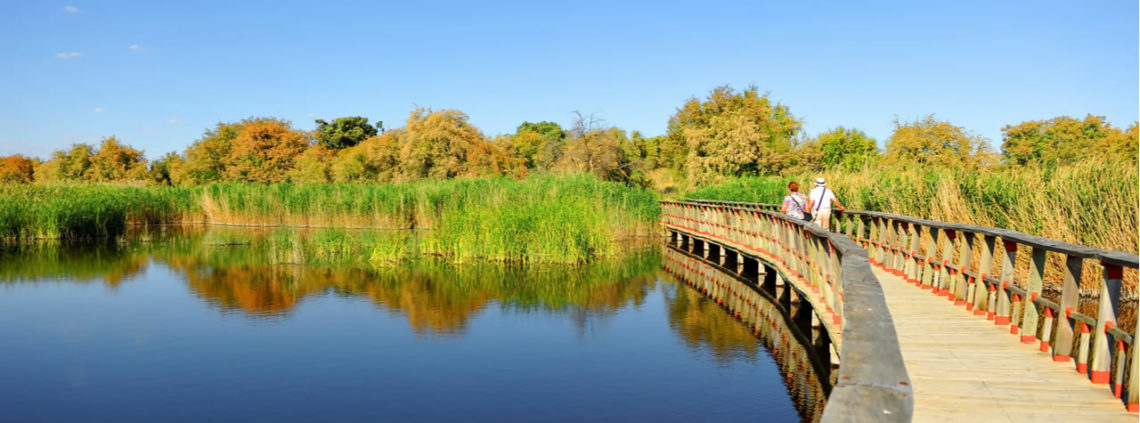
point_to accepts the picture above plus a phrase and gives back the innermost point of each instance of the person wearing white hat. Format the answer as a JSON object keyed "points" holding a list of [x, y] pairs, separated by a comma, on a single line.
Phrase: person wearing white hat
{"points": [[819, 203]]}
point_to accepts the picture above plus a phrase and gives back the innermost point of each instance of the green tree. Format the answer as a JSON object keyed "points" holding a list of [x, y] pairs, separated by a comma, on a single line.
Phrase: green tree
{"points": [[845, 148], [539, 145], [1062, 140], [733, 134], [928, 141], [165, 170], [345, 132]]}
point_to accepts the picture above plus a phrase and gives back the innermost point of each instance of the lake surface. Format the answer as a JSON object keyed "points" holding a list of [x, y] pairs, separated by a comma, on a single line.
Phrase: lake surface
{"points": [[214, 324]]}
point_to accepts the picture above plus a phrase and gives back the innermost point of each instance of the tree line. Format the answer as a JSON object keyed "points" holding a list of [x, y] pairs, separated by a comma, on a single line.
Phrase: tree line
{"points": [[729, 133]]}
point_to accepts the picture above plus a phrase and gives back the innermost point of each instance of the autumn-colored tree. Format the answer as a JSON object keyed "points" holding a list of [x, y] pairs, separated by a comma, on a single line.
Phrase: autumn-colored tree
{"points": [[436, 144], [66, 166], [596, 151], [345, 132], [263, 151], [206, 158], [1063, 140], [116, 162], [16, 169], [733, 134], [312, 166], [928, 141], [373, 160]]}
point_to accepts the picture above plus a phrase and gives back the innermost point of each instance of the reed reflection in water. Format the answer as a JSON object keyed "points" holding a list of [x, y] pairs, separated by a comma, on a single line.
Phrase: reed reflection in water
{"points": [[290, 331]]}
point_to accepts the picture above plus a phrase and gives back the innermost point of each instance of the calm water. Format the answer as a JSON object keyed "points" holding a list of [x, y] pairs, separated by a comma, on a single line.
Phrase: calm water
{"points": [[197, 324]]}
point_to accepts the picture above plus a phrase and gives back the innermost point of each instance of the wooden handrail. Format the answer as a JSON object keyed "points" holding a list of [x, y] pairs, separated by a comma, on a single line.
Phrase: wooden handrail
{"points": [[833, 273], [1104, 352]]}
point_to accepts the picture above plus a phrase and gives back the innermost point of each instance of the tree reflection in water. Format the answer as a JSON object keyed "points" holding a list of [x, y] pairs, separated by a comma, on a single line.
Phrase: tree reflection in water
{"points": [[267, 273]]}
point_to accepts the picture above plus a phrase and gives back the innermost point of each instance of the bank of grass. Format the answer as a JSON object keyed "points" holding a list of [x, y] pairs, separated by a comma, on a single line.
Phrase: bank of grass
{"points": [[544, 218]]}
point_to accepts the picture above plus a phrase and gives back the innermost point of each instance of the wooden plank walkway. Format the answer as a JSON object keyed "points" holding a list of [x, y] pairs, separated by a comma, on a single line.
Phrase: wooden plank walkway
{"points": [[963, 368]]}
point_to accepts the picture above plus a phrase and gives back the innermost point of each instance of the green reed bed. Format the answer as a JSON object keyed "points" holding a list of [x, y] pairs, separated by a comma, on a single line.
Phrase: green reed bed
{"points": [[752, 190], [87, 211], [556, 219]]}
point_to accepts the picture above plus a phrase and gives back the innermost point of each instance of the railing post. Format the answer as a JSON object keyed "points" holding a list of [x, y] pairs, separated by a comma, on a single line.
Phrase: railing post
{"points": [[928, 263], [1032, 290], [1070, 293], [1002, 312], [1106, 316], [898, 236], [982, 300], [964, 294], [1133, 400], [915, 245], [946, 282]]}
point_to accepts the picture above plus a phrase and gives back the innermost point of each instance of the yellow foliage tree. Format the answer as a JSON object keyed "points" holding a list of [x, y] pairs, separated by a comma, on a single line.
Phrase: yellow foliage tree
{"points": [[263, 151], [928, 141], [733, 134], [116, 162], [1063, 140]]}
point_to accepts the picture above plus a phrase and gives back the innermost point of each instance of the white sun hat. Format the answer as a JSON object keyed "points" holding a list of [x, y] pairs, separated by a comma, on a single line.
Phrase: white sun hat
{"points": [[819, 182]]}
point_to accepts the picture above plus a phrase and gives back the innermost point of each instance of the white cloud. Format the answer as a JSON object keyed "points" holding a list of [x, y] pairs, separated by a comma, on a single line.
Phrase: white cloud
{"points": [[139, 49], [71, 9], [99, 110], [68, 55], [175, 121]]}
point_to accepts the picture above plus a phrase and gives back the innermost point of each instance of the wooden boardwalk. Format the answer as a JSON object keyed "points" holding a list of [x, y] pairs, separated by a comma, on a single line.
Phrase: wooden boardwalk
{"points": [[963, 368]]}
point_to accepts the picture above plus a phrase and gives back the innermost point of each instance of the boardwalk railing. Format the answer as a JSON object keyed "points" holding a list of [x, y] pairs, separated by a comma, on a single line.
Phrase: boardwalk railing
{"points": [[830, 272], [961, 267]]}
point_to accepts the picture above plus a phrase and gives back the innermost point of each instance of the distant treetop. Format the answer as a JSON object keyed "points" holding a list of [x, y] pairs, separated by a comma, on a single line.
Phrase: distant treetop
{"points": [[345, 132]]}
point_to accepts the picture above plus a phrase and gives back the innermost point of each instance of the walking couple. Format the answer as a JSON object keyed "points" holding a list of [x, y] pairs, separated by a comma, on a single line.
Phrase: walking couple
{"points": [[816, 206]]}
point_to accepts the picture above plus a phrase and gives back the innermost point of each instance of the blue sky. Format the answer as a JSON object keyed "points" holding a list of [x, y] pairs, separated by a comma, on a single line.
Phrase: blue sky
{"points": [[158, 74]]}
